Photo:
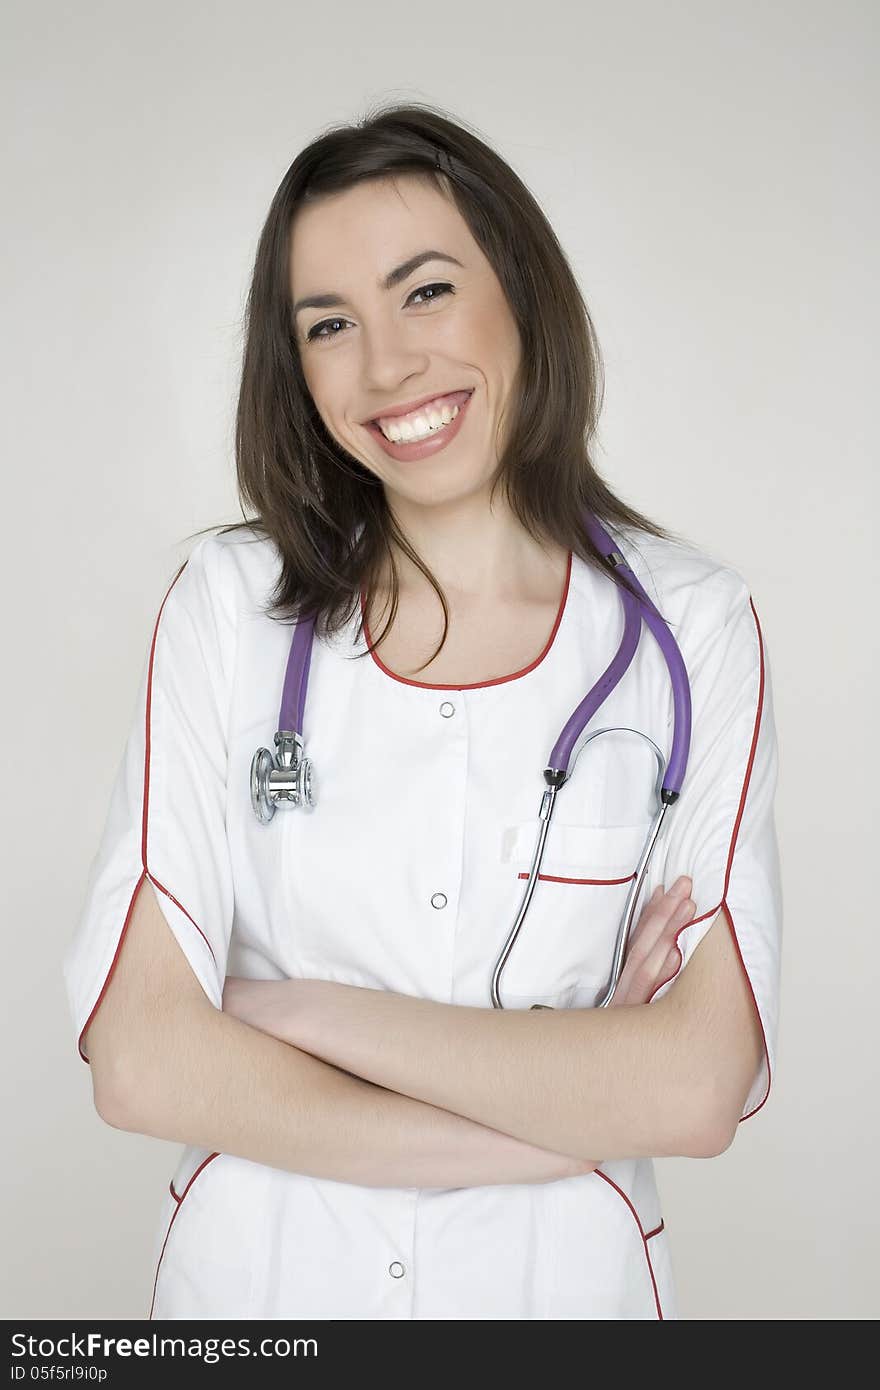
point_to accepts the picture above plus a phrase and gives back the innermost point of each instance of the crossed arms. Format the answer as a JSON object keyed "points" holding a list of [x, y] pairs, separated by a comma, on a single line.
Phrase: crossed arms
{"points": [[382, 1089]]}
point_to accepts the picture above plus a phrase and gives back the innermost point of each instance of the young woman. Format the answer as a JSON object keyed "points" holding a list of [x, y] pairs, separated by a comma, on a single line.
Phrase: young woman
{"points": [[305, 999]]}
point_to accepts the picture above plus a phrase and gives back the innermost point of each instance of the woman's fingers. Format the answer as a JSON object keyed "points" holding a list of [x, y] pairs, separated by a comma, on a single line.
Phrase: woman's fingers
{"points": [[655, 918], [643, 938], [657, 967], [652, 956]]}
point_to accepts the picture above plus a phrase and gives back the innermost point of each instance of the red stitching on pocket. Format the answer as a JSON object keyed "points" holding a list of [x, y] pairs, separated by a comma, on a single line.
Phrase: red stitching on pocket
{"points": [[557, 878]]}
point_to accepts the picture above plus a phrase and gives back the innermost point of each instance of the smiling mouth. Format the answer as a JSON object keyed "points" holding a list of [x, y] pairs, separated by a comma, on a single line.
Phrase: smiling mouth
{"points": [[421, 423]]}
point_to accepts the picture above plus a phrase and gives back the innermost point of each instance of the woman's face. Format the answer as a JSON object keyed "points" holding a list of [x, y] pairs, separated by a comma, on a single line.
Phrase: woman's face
{"points": [[379, 348]]}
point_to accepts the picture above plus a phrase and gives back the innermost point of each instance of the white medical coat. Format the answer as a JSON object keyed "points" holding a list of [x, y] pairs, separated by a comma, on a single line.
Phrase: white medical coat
{"points": [[407, 876]]}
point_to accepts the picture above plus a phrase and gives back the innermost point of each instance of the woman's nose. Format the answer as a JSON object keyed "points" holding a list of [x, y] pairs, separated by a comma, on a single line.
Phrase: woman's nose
{"points": [[390, 354]]}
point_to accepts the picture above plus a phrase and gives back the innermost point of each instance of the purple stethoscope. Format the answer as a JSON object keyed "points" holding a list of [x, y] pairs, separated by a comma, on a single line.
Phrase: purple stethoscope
{"points": [[286, 777]]}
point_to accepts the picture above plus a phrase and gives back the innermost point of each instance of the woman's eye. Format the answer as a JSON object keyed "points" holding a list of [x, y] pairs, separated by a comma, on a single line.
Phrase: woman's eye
{"points": [[437, 289], [316, 333], [423, 289]]}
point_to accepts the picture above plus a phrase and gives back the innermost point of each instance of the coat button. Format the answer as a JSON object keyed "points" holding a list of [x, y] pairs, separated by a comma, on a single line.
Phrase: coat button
{"points": [[396, 1269], [447, 709], [438, 900]]}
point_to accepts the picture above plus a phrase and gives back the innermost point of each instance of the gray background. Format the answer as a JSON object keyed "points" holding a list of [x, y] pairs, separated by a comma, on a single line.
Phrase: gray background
{"points": [[708, 169]]}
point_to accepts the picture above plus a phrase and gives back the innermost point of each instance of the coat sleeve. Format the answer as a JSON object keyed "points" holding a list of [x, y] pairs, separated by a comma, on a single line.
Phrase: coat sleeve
{"points": [[166, 820], [722, 830]]}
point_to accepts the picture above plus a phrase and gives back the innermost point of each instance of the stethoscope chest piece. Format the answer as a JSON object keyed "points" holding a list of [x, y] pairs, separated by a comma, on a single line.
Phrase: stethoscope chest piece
{"points": [[283, 777]]}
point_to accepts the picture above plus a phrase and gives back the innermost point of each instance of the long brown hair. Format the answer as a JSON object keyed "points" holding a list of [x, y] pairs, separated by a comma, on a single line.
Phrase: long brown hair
{"points": [[326, 513]]}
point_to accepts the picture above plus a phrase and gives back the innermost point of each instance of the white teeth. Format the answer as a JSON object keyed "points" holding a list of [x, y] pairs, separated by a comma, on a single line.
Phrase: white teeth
{"points": [[420, 425]]}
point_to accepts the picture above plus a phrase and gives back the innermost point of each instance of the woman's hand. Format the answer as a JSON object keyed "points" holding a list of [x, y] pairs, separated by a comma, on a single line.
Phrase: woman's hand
{"points": [[283, 1008], [652, 956]]}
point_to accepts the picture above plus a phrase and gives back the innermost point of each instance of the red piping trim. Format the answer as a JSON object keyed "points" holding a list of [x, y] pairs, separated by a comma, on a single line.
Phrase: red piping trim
{"points": [[649, 1235], [171, 1190], [179, 1200], [169, 894], [755, 732], [145, 872], [476, 685], [760, 1020], [146, 798], [620, 1192], [109, 972], [723, 906], [557, 878]]}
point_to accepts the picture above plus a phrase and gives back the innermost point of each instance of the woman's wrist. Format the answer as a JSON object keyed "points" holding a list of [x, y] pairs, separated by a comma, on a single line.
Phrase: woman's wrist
{"points": [[276, 1007]]}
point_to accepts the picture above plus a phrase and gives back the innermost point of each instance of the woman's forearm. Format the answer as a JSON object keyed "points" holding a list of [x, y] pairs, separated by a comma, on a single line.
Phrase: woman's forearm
{"points": [[621, 1082], [205, 1078]]}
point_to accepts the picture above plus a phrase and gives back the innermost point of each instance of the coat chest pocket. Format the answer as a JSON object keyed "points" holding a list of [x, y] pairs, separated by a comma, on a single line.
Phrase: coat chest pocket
{"points": [[565, 947]]}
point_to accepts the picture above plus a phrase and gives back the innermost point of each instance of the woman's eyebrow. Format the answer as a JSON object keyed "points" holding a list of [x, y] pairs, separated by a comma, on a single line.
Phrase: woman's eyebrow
{"points": [[332, 299]]}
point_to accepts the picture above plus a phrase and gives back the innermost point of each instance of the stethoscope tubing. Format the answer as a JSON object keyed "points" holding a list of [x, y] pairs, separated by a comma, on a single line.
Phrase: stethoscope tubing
{"points": [[286, 778]]}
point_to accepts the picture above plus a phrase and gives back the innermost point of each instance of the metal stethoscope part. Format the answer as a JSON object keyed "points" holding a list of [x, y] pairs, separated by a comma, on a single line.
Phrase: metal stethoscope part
{"points": [[548, 802], [286, 778]]}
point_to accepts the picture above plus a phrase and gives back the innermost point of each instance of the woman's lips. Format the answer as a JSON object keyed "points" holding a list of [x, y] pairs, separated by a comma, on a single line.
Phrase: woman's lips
{"points": [[405, 452], [437, 401]]}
